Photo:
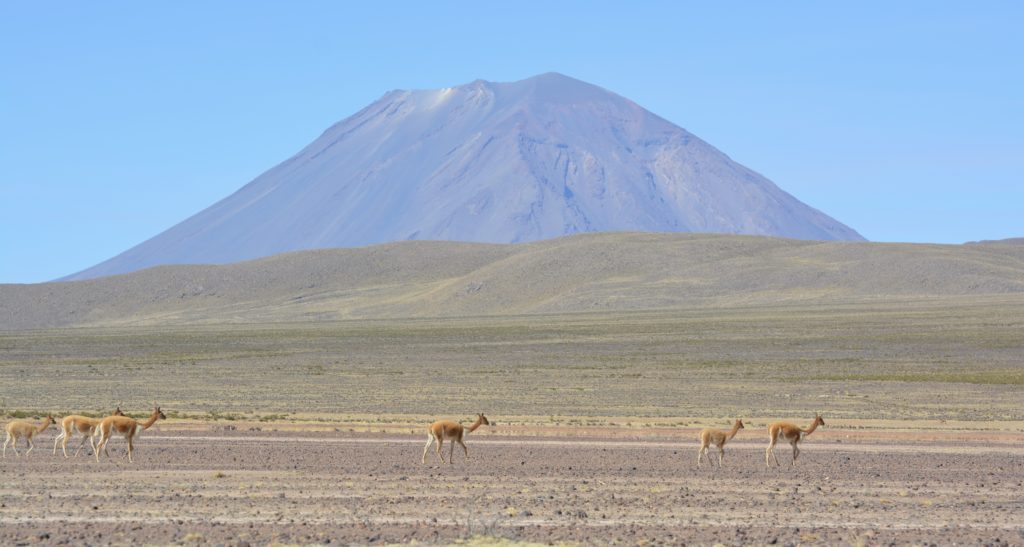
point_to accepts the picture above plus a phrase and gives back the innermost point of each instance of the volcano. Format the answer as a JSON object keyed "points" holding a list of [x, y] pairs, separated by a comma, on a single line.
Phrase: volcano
{"points": [[485, 162]]}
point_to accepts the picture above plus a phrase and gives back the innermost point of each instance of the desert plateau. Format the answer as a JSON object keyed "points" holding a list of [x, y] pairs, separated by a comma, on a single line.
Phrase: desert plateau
{"points": [[309, 433]]}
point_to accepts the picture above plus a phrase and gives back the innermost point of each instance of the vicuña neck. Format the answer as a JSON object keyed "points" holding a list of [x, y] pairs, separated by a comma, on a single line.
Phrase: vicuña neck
{"points": [[42, 427], [152, 420], [735, 429], [811, 429], [475, 425]]}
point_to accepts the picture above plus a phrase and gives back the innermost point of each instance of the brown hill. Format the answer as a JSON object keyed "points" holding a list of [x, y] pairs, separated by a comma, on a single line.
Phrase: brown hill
{"points": [[609, 271]]}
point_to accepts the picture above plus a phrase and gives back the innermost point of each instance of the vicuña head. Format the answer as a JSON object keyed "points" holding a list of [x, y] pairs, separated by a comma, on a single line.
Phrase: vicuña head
{"points": [[47, 422]]}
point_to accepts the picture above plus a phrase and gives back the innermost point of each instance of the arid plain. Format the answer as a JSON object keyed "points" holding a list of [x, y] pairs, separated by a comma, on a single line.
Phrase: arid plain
{"points": [[300, 433], [308, 431]]}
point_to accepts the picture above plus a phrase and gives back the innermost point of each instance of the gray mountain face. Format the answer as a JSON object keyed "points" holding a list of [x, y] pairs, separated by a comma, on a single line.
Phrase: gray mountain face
{"points": [[485, 162]]}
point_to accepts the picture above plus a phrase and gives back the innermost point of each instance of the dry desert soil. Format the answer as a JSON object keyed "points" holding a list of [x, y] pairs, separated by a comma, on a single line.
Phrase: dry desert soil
{"points": [[207, 483], [311, 432]]}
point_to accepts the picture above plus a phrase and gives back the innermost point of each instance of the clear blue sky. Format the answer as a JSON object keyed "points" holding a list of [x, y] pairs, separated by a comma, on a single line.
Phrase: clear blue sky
{"points": [[904, 120]]}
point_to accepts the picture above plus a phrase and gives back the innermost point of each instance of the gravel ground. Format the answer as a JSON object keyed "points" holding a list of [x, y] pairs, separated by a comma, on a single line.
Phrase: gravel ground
{"points": [[345, 488]]}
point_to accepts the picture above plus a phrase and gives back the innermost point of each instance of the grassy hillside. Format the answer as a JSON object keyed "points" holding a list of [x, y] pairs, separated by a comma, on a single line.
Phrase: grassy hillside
{"points": [[596, 325], [952, 359], [593, 272]]}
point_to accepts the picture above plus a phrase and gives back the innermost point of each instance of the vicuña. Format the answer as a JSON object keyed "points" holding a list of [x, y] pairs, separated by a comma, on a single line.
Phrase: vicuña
{"points": [[127, 427], [442, 430], [18, 429], [791, 433], [718, 438], [84, 425]]}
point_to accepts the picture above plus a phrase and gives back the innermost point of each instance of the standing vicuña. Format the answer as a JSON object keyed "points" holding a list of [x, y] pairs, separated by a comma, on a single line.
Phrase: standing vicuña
{"points": [[791, 433], [447, 429], [17, 430], [125, 426], [718, 438], [84, 425]]}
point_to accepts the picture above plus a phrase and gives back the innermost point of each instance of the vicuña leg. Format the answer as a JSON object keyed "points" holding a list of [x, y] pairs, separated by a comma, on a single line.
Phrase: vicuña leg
{"points": [[430, 441], [59, 438], [81, 445], [5, 445], [796, 452], [31, 445], [466, 450], [721, 454], [438, 451], [102, 445], [769, 453]]}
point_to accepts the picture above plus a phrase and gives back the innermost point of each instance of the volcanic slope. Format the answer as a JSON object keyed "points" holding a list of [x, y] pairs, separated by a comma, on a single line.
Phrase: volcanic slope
{"points": [[485, 162], [587, 272]]}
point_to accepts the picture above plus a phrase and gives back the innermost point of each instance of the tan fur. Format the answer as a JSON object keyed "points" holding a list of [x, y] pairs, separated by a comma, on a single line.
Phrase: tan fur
{"points": [[446, 429], [790, 433], [718, 438], [82, 424], [18, 430], [127, 427]]}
